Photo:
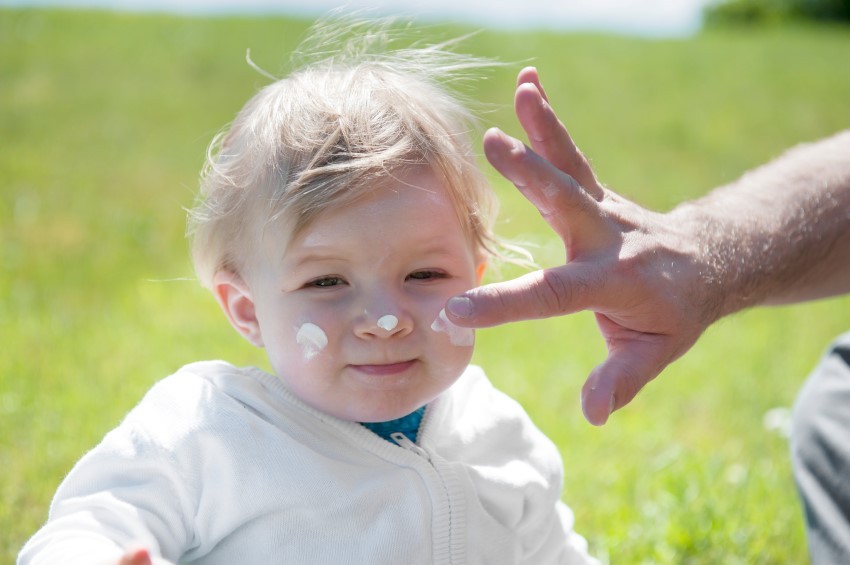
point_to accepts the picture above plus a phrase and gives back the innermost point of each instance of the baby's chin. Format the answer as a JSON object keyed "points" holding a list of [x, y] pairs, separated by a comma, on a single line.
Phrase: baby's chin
{"points": [[391, 411]]}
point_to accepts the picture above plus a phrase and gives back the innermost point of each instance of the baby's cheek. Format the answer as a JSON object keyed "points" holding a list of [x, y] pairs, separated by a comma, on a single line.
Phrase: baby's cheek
{"points": [[458, 336], [317, 334], [311, 339]]}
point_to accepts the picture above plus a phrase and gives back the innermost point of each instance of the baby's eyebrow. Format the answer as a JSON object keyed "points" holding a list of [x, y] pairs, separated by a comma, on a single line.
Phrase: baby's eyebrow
{"points": [[434, 251], [319, 252], [316, 256]]}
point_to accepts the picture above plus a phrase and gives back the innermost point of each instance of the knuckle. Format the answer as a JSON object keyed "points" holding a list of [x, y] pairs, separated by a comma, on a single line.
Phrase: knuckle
{"points": [[553, 295]]}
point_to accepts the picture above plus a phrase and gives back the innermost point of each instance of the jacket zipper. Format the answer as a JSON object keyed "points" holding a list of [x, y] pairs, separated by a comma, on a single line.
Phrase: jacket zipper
{"points": [[403, 441], [439, 469]]}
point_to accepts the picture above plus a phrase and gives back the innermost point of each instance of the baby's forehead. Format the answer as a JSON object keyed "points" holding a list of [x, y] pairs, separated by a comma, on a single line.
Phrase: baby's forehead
{"points": [[375, 191], [411, 211]]}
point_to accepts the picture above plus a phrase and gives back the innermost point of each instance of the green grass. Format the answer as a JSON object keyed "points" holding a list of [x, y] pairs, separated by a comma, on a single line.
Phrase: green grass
{"points": [[104, 120]]}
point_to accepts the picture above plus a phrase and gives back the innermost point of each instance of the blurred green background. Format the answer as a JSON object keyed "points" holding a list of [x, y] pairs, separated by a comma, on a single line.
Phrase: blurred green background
{"points": [[104, 123]]}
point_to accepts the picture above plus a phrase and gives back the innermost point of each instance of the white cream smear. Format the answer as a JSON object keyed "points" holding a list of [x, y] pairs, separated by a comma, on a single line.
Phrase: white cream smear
{"points": [[457, 335], [387, 323], [312, 339]]}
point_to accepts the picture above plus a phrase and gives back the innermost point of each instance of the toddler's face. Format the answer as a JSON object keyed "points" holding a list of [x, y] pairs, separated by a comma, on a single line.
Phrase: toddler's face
{"points": [[346, 313]]}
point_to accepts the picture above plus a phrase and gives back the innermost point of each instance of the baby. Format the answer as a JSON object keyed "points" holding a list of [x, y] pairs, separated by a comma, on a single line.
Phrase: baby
{"points": [[338, 214]]}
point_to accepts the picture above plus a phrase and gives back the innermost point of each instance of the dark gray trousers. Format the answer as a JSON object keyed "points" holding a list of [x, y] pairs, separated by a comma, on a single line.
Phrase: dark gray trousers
{"points": [[820, 453]]}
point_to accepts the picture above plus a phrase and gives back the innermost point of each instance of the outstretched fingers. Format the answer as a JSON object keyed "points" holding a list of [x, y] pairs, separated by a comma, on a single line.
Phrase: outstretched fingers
{"points": [[558, 197], [548, 135], [529, 75]]}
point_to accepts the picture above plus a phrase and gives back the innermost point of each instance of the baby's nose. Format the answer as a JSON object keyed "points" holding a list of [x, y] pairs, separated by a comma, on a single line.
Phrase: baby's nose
{"points": [[387, 322], [398, 323]]}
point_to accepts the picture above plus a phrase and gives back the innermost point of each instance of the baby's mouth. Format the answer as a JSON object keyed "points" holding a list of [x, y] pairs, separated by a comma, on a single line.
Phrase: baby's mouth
{"points": [[381, 369]]}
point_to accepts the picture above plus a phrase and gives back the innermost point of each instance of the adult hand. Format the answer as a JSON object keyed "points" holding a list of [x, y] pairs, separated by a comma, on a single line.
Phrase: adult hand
{"points": [[637, 270]]}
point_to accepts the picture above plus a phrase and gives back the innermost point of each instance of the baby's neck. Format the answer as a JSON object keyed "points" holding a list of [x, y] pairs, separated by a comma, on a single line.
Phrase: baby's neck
{"points": [[408, 425]]}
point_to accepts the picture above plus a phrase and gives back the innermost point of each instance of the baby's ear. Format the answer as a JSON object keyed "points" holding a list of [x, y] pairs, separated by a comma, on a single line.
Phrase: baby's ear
{"points": [[479, 272], [234, 297]]}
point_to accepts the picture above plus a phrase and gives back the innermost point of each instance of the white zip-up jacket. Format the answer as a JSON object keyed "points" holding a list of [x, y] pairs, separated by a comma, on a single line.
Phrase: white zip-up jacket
{"points": [[223, 465]]}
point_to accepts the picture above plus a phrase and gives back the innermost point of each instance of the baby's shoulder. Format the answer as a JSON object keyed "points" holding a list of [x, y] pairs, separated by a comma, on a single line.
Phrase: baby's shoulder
{"points": [[193, 400], [191, 387]]}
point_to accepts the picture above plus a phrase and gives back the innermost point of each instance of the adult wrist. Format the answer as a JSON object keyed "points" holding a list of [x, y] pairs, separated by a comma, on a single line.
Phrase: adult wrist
{"points": [[721, 283]]}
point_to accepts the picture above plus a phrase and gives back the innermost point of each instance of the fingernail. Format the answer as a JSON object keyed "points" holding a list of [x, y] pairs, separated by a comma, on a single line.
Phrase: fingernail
{"points": [[589, 408], [460, 306]]}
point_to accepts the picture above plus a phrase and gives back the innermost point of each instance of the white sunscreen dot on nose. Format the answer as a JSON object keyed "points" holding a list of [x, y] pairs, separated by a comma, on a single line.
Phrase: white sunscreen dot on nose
{"points": [[312, 339], [388, 322], [457, 335]]}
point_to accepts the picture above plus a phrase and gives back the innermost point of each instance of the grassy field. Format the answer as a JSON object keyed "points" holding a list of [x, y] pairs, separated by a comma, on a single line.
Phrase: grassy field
{"points": [[104, 120]]}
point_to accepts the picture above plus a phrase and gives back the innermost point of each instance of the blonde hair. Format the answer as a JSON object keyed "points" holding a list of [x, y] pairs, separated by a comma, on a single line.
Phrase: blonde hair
{"points": [[357, 114]]}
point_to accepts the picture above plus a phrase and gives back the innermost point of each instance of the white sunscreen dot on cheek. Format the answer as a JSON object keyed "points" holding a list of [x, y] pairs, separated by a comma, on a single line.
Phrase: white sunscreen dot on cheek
{"points": [[457, 335], [312, 339], [387, 323]]}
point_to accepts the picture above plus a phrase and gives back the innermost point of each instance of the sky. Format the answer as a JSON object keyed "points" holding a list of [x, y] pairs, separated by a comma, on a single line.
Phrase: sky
{"points": [[651, 18]]}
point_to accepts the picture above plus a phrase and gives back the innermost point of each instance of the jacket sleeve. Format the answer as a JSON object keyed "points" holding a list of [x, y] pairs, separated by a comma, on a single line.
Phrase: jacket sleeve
{"points": [[547, 525], [517, 473], [124, 493], [555, 541]]}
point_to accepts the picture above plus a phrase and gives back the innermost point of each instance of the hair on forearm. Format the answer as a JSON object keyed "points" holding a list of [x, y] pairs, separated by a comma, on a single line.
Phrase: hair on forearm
{"points": [[781, 233]]}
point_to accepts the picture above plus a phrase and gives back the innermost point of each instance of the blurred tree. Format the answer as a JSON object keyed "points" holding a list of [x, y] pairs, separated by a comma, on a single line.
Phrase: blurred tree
{"points": [[761, 11]]}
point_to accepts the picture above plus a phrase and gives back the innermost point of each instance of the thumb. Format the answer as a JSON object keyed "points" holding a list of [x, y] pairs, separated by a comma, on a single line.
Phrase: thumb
{"points": [[541, 294], [614, 383]]}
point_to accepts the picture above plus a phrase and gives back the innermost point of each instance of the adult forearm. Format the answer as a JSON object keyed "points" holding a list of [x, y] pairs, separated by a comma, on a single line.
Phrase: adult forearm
{"points": [[779, 234]]}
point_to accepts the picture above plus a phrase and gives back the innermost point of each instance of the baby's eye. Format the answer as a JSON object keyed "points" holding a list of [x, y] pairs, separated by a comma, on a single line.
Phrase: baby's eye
{"points": [[426, 275], [325, 282]]}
